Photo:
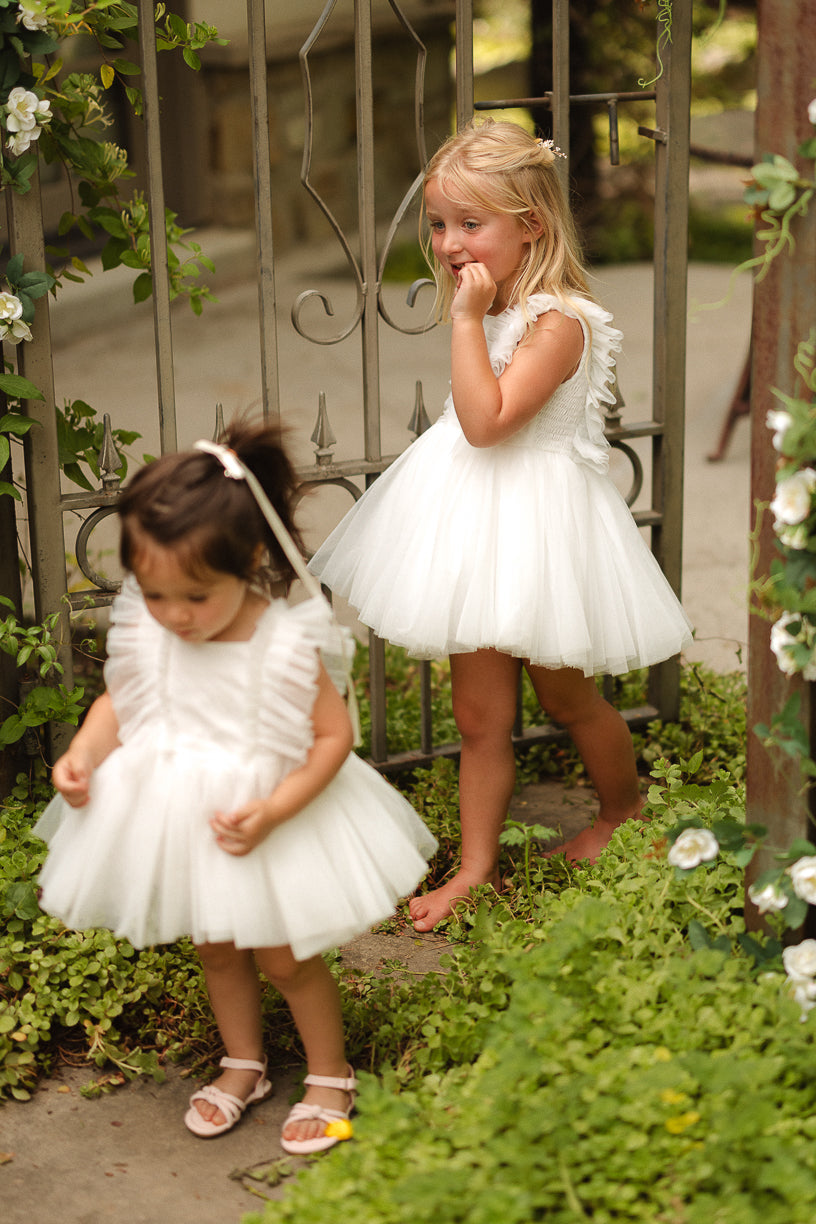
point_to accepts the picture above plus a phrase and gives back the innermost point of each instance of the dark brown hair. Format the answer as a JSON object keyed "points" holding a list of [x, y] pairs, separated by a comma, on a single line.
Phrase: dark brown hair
{"points": [[186, 502]]}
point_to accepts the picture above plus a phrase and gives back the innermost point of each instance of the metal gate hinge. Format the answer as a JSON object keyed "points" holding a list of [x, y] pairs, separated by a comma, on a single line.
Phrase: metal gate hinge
{"points": [[656, 134]]}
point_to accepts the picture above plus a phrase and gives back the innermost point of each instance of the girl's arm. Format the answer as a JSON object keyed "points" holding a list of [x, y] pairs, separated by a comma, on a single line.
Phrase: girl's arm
{"points": [[492, 409], [240, 831], [95, 740]]}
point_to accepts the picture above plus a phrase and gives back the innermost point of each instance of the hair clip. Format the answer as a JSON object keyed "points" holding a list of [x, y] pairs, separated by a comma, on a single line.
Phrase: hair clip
{"points": [[233, 468], [552, 146]]}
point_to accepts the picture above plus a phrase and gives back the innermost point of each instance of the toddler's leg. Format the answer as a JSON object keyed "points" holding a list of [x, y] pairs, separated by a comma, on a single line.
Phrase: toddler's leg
{"points": [[484, 686], [234, 990], [602, 738], [314, 1001]]}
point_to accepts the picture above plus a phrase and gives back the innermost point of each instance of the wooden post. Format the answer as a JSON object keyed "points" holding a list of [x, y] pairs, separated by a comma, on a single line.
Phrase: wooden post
{"points": [[784, 310]]}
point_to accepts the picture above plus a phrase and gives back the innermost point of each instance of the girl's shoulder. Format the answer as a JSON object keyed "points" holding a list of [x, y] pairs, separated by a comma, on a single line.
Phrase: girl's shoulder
{"points": [[506, 331]]}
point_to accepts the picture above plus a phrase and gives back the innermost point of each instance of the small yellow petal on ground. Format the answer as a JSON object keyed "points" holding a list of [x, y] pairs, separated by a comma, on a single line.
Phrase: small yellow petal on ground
{"points": [[340, 1129]]}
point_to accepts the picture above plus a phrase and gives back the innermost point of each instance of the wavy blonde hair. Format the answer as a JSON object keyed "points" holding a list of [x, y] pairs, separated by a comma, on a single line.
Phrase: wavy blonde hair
{"points": [[500, 167]]}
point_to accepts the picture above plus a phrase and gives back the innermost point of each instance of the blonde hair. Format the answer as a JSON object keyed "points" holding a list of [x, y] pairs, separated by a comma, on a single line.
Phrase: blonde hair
{"points": [[501, 168]]}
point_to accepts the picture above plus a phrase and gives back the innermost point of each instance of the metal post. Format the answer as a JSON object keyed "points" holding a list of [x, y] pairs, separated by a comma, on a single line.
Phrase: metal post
{"points": [[158, 229], [270, 382], [464, 62], [41, 448], [669, 372]]}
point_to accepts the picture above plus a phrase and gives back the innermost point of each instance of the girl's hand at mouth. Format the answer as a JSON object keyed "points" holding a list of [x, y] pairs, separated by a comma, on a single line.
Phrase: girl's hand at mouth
{"points": [[475, 291]]}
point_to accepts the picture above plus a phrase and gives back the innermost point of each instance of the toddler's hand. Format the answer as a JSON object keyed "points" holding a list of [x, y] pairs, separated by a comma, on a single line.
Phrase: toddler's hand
{"points": [[241, 831], [475, 291], [72, 778]]}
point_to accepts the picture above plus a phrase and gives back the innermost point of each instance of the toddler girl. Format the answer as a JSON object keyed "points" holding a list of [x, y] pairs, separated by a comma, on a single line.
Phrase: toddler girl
{"points": [[211, 791], [498, 537]]}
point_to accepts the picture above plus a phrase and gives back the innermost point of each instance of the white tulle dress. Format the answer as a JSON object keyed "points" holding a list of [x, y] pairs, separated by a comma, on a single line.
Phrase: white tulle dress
{"points": [[527, 546], [207, 727]]}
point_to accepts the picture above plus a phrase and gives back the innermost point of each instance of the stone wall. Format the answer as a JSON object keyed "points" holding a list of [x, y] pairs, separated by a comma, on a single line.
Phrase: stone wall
{"points": [[209, 165]]}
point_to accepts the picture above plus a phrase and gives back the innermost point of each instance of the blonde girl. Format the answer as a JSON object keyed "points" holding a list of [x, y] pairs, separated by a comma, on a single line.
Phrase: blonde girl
{"points": [[498, 537]]}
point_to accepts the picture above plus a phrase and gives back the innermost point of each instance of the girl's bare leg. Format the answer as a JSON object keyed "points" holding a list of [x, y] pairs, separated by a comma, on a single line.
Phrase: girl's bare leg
{"points": [[602, 738], [234, 991], [314, 1001], [484, 686]]}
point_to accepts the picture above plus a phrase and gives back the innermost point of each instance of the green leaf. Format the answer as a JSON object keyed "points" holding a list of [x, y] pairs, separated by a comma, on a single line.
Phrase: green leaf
{"points": [[14, 423], [17, 387], [14, 268], [142, 287]]}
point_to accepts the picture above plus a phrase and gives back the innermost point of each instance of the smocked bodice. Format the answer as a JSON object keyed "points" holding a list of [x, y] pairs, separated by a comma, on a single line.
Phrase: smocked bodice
{"points": [[572, 420]]}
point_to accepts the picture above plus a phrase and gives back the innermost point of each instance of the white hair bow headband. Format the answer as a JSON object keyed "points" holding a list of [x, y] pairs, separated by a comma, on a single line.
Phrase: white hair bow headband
{"points": [[235, 469]]}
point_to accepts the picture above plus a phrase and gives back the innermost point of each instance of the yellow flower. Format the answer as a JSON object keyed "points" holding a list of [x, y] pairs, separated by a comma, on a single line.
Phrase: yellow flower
{"points": [[662, 1054], [681, 1122], [341, 1129], [670, 1096]]}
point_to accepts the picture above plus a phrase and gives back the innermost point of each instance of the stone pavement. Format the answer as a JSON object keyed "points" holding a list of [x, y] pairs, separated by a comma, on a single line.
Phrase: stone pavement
{"points": [[126, 1158]]}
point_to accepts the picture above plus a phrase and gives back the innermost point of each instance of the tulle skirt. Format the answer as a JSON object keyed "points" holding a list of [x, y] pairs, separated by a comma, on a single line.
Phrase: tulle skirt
{"points": [[141, 859], [456, 548]]}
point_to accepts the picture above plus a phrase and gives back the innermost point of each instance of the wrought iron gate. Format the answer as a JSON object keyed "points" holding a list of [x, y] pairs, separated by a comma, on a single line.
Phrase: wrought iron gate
{"points": [[665, 429]]}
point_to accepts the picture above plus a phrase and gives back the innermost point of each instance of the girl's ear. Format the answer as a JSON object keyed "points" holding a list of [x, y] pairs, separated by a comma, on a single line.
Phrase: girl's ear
{"points": [[257, 557], [532, 226]]}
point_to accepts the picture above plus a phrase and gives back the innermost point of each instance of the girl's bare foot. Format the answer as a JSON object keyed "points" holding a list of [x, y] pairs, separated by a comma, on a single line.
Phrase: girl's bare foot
{"points": [[432, 907], [589, 843]]}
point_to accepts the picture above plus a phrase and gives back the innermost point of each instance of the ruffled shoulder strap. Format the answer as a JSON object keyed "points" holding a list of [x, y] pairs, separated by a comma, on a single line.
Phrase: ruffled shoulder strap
{"points": [[135, 644], [601, 342], [289, 641]]}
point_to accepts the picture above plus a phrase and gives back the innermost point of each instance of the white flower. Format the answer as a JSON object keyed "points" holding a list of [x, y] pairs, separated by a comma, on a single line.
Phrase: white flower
{"points": [[26, 111], [803, 878], [770, 898], [15, 331], [792, 501], [782, 639], [780, 421], [31, 16], [693, 846], [19, 142], [812, 111], [793, 537], [804, 993], [10, 306], [800, 960]]}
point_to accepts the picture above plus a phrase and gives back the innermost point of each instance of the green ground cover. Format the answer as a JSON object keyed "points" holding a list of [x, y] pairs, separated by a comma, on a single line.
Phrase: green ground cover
{"points": [[600, 1043]]}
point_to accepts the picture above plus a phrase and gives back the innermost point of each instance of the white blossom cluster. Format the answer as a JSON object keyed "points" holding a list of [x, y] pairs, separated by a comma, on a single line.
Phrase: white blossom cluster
{"points": [[26, 115], [13, 328], [792, 507], [693, 847], [800, 966], [31, 16]]}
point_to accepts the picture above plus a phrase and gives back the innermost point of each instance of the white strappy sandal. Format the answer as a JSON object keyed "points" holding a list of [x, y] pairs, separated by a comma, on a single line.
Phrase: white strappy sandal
{"points": [[301, 1112], [232, 1107]]}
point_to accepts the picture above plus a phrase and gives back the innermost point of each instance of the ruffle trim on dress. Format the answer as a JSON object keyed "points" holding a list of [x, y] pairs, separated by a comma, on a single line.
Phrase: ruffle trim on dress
{"points": [[604, 340], [288, 641], [132, 637]]}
